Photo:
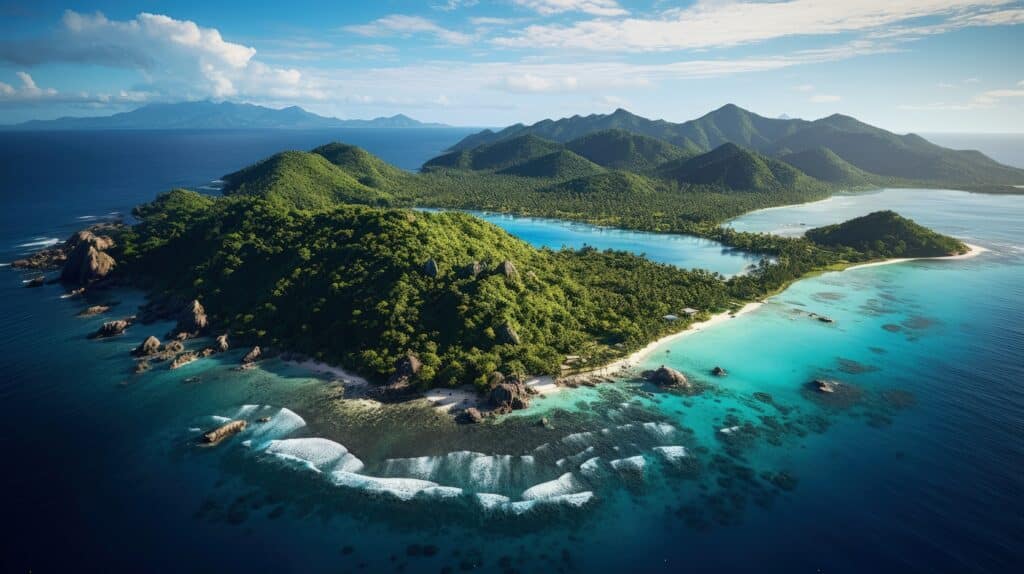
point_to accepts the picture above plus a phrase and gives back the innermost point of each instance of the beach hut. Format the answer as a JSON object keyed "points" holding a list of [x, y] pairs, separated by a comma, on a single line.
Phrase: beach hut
{"points": [[670, 318], [690, 311]]}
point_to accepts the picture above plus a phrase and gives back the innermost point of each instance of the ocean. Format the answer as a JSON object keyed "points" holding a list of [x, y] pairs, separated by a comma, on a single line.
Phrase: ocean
{"points": [[917, 467]]}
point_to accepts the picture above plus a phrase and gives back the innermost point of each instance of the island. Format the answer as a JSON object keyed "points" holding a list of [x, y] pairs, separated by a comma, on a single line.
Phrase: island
{"points": [[322, 255]]}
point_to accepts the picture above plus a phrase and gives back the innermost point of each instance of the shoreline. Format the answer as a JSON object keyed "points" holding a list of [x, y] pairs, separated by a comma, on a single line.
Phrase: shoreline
{"points": [[973, 251]]}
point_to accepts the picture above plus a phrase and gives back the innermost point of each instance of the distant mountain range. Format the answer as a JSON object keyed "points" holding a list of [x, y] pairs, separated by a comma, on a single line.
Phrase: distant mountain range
{"points": [[838, 149], [211, 115]]}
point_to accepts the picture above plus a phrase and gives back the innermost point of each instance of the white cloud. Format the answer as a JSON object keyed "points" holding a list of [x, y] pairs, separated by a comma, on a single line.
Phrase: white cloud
{"points": [[592, 7], [824, 98], [404, 25], [178, 58], [532, 83], [984, 100], [450, 5], [804, 88], [30, 93], [711, 23]]}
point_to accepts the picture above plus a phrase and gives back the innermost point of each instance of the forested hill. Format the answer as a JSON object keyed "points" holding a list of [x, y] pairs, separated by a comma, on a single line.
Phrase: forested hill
{"points": [[884, 156], [885, 234]]}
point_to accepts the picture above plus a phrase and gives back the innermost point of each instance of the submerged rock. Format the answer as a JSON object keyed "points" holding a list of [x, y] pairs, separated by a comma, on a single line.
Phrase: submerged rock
{"points": [[825, 319], [37, 281], [252, 356], [666, 377], [183, 359], [719, 372], [222, 432], [824, 386]]}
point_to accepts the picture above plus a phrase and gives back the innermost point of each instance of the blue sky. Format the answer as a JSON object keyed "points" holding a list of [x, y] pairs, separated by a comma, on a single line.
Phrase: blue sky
{"points": [[907, 65]]}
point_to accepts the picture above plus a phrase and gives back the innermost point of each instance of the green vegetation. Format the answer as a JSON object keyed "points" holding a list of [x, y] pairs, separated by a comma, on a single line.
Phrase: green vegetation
{"points": [[351, 285], [885, 234], [619, 149], [306, 251], [885, 157], [822, 163]]}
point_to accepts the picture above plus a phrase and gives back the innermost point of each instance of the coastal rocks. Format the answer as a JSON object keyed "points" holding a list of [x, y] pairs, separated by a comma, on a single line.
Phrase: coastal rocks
{"points": [[86, 259], [508, 334], [222, 432], [112, 328], [832, 394], [509, 395], [252, 356], [666, 377], [37, 281], [472, 415], [825, 319], [719, 372], [183, 359], [221, 343], [430, 268], [406, 369], [192, 319], [149, 347]]}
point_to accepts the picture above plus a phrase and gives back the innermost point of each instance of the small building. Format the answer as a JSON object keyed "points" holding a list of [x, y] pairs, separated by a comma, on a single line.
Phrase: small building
{"points": [[690, 311], [670, 318]]}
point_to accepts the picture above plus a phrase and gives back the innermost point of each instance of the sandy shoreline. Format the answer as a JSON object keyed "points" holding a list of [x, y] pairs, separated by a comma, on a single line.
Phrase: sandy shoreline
{"points": [[447, 399], [974, 251]]}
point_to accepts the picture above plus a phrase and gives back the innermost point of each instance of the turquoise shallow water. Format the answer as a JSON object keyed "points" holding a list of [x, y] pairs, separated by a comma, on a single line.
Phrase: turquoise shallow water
{"points": [[918, 469]]}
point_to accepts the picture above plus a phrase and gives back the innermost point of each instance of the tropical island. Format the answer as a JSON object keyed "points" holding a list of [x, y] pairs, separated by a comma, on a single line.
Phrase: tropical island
{"points": [[322, 253]]}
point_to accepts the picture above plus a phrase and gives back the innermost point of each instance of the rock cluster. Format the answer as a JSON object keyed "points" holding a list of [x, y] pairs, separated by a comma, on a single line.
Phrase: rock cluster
{"points": [[666, 377], [112, 328], [719, 372], [510, 394], [222, 432], [252, 356], [192, 320], [149, 347], [406, 369], [87, 260]]}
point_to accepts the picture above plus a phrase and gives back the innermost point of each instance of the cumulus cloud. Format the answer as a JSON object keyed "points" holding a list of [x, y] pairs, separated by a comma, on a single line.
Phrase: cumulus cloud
{"points": [[592, 7], [27, 92], [404, 25], [710, 24], [175, 56], [533, 83]]}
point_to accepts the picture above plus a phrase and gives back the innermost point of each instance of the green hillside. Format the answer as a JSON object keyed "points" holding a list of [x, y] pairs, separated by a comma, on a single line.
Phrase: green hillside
{"points": [[496, 156], [562, 164], [303, 180], [734, 168], [895, 159], [822, 163], [367, 168], [886, 234], [619, 149], [352, 285]]}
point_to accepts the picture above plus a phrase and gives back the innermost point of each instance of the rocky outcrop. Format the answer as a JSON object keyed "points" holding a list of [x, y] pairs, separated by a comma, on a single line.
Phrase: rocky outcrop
{"points": [[666, 377], [824, 386], [509, 395], [222, 432], [192, 319], [221, 343], [183, 359], [112, 328], [719, 372], [508, 269], [57, 256], [508, 334], [149, 347], [430, 268], [252, 356], [37, 281], [472, 415], [825, 319], [406, 369], [94, 310], [86, 259], [473, 270]]}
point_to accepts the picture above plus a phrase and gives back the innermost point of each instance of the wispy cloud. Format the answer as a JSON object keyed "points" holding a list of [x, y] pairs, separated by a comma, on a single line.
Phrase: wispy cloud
{"points": [[984, 100], [710, 24], [405, 25], [450, 5], [592, 7], [26, 92]]}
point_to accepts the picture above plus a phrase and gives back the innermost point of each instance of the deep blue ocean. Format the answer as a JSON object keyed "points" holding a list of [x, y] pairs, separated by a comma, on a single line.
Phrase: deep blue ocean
{"points": [[918, 468]]}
